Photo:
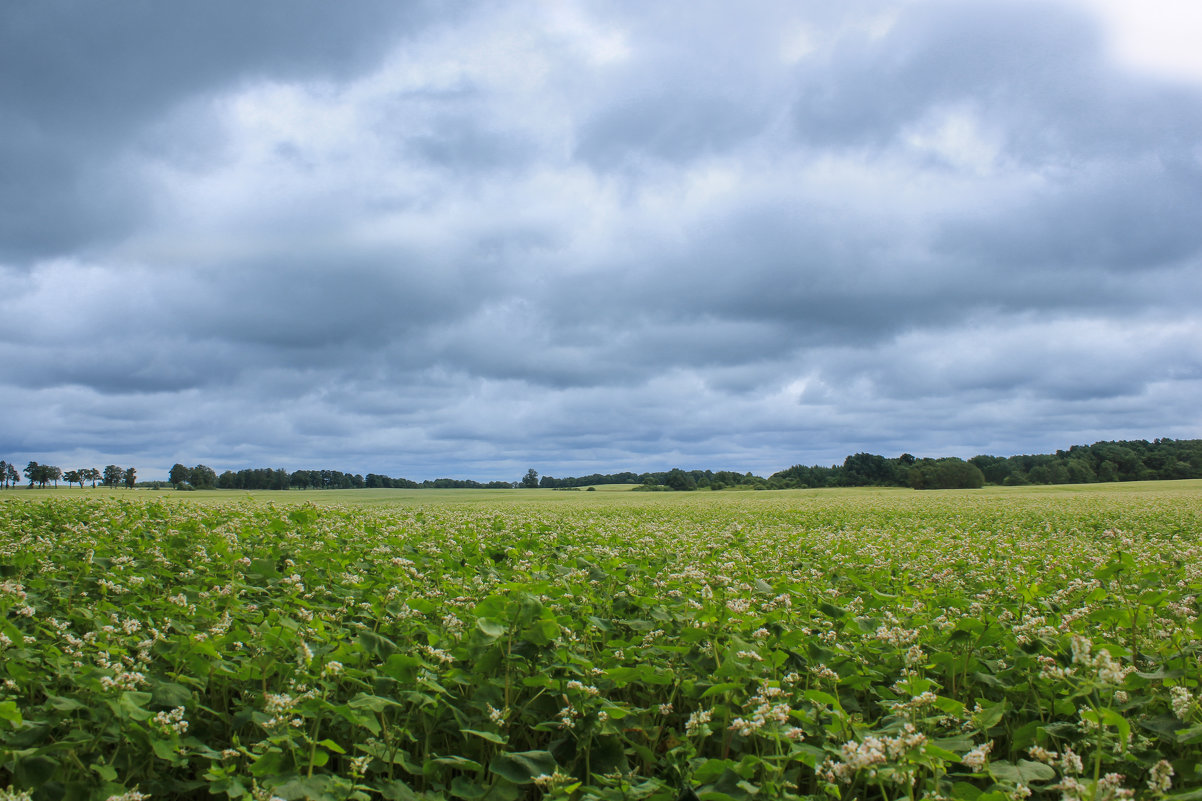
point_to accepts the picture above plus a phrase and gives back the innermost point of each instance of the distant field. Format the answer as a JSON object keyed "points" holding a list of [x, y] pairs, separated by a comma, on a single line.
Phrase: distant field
{"points": [[473, 644], [1187, 488]]}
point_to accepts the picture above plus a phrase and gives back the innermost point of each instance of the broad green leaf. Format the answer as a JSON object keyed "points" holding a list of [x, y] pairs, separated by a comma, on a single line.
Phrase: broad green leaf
{"points": [[521, 767], [1024, 772], [490, 628], [492, 737], [10, 712]]}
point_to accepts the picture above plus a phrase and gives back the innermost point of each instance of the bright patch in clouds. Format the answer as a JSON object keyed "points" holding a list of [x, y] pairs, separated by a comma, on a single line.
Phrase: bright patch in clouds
{"points": [[1162, 36]]}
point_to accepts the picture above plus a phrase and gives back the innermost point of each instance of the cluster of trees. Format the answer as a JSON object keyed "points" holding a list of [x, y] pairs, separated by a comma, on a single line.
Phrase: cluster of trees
{"points": [[1128, 460], [9, 477], [43, 475], [1125, 460]]}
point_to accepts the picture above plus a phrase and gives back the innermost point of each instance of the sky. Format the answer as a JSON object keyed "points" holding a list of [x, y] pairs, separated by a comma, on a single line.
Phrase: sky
{"points": [[468, 239]]}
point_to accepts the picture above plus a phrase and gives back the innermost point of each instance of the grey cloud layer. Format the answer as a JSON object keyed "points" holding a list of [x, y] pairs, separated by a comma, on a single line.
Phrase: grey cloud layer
{"points": [[589, 236]]}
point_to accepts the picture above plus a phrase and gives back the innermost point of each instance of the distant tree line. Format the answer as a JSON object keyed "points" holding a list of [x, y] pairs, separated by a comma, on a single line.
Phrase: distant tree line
{"points": [[1138, 460], [1130, 460], [674, 479], [43, 475], [1127, 460], [265, 478]]}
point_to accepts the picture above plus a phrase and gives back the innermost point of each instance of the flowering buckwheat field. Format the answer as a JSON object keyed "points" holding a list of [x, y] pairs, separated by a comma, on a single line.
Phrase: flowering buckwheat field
{"points": [[867, 645]]}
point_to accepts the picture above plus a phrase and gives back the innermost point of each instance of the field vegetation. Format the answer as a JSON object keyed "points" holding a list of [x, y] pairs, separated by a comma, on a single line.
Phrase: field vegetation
{"points": [[855, 644]]}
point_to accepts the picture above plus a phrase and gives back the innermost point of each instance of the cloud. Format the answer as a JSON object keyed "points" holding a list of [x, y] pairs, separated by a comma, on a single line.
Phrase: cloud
{"points": [[586, 237]]}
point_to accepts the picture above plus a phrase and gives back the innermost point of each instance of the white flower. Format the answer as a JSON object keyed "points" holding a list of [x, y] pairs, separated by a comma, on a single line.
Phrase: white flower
{"points": [[697, 720], [1161, 777], [1181, 700], [977, 757]]}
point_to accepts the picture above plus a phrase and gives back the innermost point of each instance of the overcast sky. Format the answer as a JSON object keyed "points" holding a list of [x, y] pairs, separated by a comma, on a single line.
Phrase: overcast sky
{"points": [[466, 239]]}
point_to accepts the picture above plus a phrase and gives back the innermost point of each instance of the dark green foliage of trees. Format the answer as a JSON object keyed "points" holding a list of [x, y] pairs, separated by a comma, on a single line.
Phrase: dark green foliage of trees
{"points": [[948, 473], [1128, 460], [1137, 460], [40, 475], [112, 476]]}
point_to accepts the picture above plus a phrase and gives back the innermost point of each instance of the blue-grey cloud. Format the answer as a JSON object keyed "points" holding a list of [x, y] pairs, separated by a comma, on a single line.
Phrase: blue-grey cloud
{"points": [[430, 240]]}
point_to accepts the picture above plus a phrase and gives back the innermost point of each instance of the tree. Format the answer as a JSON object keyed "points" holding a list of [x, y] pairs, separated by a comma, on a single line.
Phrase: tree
{"points": [[178, 475], [112, 476], [73, 477], [31, 472], [12, 477], [93, 476], [130, 477], [202, 477], [949, 473], [679, 480], [531, 479]]}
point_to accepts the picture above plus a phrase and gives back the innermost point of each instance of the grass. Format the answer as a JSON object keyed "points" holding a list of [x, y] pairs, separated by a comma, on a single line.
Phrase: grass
{"points": [[1186, 488]]}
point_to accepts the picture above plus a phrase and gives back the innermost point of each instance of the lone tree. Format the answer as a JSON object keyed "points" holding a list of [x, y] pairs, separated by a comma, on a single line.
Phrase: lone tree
{"points": [[178, 475], [531, 479], [130, 476]]}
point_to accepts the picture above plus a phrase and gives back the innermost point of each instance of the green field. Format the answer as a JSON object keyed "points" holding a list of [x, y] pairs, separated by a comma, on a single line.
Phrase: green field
{"points": [[991, 644]]}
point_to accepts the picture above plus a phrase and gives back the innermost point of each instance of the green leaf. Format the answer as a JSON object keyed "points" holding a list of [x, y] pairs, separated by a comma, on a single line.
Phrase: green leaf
{"points": [[718, 689], [832, 611], [397, 790], [304, 787], [949, 705], [965, 791], [11, 712], [106, 772], [1186, 795], [942, 753], [1025, 772], [166, 750], [490, 628], [463, 787], [373, 703], [457, 761], [990, 714], [271, 763], [170, 694], [492, 737], [333, 746], [521, 767], [377, 646], [1112, 718]]}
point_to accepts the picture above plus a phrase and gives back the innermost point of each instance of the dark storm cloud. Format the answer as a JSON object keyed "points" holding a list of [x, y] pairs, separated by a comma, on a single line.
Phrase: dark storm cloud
{"points": [[403, 239], [78, 80]]}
